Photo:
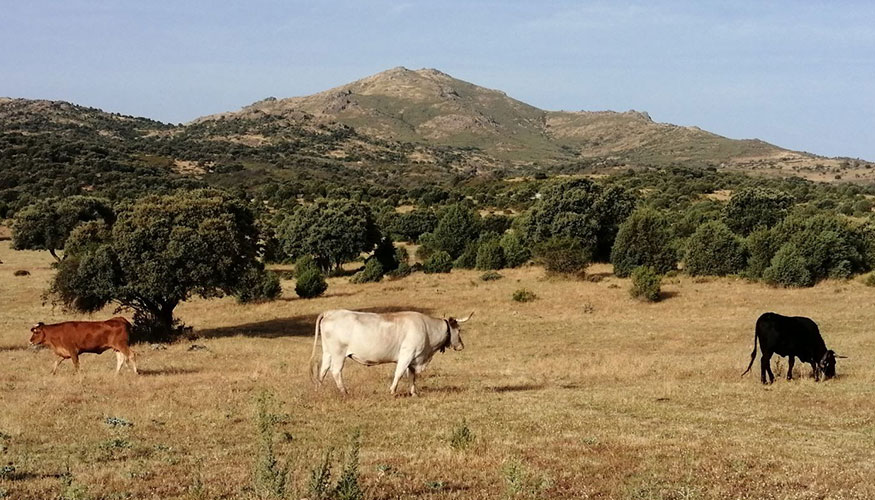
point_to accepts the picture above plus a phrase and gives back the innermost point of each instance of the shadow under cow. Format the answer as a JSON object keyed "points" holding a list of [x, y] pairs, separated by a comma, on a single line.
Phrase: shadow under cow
{"points": [[295, 326]]}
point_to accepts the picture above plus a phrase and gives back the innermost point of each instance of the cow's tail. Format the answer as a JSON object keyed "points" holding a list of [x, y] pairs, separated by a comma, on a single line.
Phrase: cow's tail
{"points": [[753, 354], [314, 361]]}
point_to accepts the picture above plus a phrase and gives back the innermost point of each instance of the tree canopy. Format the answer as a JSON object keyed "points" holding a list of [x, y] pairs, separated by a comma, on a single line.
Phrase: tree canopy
{"points": [[332, 232], [47, 224], [750, 209], [581, 210], [160, 251]]}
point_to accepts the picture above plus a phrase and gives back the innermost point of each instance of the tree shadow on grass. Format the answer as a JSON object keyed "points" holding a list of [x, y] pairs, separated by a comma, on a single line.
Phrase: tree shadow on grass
{"points": [[166, 371], [325, 296], [663, 295], [295, 326], [516, 388]]}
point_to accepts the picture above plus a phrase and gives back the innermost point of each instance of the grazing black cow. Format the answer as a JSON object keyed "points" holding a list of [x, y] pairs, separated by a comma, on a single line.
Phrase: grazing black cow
{"points": [[792, 336]]}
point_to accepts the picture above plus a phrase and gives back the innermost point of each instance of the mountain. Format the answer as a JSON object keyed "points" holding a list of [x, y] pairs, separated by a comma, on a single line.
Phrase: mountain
{"points": [[427, 106], [399, 128]]}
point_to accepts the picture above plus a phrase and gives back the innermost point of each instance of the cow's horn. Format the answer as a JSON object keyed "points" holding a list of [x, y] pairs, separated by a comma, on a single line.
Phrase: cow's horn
{"points": [[466, 319], [842, 357]]}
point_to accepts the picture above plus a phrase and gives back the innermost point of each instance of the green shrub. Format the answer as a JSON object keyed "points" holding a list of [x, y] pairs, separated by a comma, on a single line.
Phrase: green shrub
{"points": [[644, 239], [563, 255], [685, 223], [646, 283], [714, 250], [788, 269], [827, 243], [259, 285], [386, 255], [372, 272], [305, 263], [426, 246], [523, 295], [490, 276], [581, 210], [761, 248], [870, 279], [403, 269], [457, 226], [497, 224], [411, 225], [516, 253], [310, 283], [750, 209], [439, 262], [866, 235], [468, 259], [490, 256]]}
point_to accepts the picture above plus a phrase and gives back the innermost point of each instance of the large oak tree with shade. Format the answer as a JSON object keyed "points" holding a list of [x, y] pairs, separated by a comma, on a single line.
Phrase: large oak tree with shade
{"points": [[161, 251]]}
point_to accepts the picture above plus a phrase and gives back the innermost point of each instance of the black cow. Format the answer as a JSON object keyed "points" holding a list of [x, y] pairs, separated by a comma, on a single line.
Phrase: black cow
{"points": [[792, 336]]}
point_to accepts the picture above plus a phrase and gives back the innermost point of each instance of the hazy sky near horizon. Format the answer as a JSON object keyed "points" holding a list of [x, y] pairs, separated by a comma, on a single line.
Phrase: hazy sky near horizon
{"points": [[799, 74]]}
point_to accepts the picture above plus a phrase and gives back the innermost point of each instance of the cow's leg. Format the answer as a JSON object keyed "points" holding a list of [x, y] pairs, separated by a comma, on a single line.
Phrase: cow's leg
{"points": [[412, 374], [129, 358], [323, 370], [58, 362], [766, 368], [75, 359], [816, 371], [790, 368], [119, 361], [404, 361], [336, 372]]}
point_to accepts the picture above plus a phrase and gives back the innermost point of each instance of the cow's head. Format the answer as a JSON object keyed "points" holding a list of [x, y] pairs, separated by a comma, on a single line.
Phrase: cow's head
{"points": [[37, 335], [456, 332], [827, 364]]}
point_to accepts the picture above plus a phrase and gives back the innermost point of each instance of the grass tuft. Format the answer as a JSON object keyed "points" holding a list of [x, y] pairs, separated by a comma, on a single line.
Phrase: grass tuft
{"points": [[523, 295], [461, 436]]}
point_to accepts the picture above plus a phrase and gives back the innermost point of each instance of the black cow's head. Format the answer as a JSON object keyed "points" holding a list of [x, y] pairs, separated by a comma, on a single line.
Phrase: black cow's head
{"points": [[827, 364], [37, 335]]}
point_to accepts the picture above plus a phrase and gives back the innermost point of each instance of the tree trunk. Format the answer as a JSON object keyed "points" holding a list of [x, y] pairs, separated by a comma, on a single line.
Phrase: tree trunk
{"points": [[52, 251], [165, 318], [155, 322]]}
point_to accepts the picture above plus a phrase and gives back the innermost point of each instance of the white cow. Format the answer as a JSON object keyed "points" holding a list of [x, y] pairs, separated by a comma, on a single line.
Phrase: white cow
{"points": [[408, 338]]}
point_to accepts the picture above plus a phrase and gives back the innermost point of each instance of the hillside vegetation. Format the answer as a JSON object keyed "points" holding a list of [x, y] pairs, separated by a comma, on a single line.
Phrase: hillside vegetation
{"points": [[399, 128]]}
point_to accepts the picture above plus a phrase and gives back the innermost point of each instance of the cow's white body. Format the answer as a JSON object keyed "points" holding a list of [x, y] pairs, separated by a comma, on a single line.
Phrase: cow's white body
{"points": [[409, 339]]}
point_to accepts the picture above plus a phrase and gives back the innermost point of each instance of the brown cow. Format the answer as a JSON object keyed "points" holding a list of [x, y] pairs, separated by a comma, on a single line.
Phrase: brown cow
{"points": [[72, 338]]}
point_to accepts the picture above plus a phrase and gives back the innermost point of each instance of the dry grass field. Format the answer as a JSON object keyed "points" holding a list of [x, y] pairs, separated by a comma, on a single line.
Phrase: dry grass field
{"points": [[583, 393]]}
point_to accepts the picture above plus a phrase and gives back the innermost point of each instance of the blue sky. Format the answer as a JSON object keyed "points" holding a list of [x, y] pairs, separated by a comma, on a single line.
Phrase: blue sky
{"points": [[795, 73]]}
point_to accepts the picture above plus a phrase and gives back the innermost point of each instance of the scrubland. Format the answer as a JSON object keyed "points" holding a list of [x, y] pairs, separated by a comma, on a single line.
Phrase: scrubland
{"points": [[581, 393]]}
